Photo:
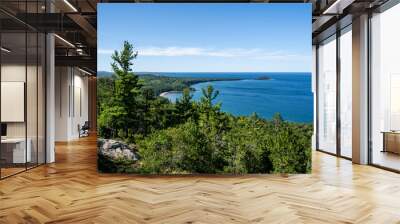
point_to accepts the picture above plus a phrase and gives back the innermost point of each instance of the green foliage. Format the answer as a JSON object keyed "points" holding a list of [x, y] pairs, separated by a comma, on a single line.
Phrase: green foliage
{"points": [[160, 84], [108, 165], [110, 122], [182, 149], [247, 147], [290, 148], [185, 108], [120, 115], [157, 149], [191, 136], [105, 89], [251, 145]]}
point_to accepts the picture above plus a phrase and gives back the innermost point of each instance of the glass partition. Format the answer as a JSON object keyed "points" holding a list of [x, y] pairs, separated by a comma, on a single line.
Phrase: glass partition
{"points": [[14, 153], [31, 97], [327, 95], [41, 96], [385, 89], [346, 92], [22, 88]]}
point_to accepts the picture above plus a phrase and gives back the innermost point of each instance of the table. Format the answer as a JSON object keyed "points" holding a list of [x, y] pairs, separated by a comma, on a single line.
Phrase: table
{"points": [[13, 150], [391, 141]]}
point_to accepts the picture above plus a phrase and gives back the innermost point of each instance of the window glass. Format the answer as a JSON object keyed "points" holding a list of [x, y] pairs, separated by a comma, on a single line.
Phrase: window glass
{"points": [[15, 151], [327, 96], [22, 90], [346, 93], [385, 89]]}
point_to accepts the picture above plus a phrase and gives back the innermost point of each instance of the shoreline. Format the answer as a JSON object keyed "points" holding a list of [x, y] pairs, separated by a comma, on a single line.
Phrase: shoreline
{"points": [[163, 94]]}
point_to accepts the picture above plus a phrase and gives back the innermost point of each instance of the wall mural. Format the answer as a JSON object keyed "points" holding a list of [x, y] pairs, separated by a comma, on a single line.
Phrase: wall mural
{"points": [[204, 88]]}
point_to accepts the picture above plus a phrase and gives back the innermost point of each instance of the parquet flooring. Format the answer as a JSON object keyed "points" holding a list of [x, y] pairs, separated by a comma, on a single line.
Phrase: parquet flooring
{"points": [[71, 191]]}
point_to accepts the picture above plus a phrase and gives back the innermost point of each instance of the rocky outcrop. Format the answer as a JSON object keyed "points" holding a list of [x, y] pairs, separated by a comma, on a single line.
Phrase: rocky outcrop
{"points": [[117, 149]]}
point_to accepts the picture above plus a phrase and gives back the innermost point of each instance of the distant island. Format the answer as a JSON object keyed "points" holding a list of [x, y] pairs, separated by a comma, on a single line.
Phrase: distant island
{"points": [[264, 77], [162, 84]]}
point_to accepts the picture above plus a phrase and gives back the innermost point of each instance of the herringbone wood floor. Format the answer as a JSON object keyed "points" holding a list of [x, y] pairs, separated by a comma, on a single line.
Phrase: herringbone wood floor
{"points": [[71, 191]]}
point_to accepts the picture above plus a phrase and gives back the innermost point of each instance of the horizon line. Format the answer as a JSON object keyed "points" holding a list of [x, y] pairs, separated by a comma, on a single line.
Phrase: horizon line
{"points": [[211, 72]]}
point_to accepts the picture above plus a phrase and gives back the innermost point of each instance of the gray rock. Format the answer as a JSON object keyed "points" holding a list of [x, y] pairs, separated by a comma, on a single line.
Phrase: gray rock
{"points": [[117, 149]]}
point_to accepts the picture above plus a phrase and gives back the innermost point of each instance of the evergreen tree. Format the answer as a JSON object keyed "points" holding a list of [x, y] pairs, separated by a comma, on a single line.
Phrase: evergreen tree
{"points": [[123, 115], [209, 94], [184, 106], [277, 119], [210, 115]]}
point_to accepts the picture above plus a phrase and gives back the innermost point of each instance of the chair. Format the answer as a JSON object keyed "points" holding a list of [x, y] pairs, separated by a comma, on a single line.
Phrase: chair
{"points": [[84, 130]]}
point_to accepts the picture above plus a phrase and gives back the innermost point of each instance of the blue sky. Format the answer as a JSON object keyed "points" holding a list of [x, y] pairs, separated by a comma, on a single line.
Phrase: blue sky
{"points": [[208, 37]]}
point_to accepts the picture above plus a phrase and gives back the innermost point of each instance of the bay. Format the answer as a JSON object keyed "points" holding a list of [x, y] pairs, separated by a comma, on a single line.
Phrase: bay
{"points": [[286, 93]]}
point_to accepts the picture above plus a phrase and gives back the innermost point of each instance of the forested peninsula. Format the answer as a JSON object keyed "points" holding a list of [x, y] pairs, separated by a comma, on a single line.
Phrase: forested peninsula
{"points": [[160, 84]]}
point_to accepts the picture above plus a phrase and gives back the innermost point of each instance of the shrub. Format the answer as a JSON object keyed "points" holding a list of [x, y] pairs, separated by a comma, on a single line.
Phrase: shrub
{"points": [[290, 149], [250, 145], [106, 164]]}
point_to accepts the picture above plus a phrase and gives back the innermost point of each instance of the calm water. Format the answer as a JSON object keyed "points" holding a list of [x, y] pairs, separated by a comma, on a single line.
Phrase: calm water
{"points": [[287, 93]]}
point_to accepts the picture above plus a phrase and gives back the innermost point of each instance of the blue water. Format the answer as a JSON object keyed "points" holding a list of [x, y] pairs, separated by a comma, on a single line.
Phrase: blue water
{"points": [[287, 93]]}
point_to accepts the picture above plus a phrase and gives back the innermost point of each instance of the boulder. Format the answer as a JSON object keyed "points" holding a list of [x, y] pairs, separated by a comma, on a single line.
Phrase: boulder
{"points": [[117, 149]]}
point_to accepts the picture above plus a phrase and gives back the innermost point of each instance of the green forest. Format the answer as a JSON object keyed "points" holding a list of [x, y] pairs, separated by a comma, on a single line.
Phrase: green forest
{"points": [[159, 84], [187, 136]]}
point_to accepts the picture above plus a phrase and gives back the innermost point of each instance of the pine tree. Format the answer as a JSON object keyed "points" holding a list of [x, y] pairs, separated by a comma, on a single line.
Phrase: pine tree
{"points": [[184, 106], [124, 113]]}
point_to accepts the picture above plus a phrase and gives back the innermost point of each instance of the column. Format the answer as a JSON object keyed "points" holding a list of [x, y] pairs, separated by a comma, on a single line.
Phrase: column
{"points": [[360, 90]]}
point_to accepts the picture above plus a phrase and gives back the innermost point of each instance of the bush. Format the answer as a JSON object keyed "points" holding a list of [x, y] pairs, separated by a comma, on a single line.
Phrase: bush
{"points": [[183, 149], [250, 145], [246, 144], [157, 153], [290, 149], [106, 164]]}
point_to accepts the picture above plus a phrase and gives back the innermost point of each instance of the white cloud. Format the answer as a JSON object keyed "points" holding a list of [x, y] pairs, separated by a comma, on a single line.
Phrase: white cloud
{"points": [[254, 53], [171, 51], [105, 51]]}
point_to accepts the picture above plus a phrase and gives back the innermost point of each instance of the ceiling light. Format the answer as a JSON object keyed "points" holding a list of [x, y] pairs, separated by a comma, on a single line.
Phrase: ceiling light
{"points": [[330, 8], [65, 41], [5, 50], [70, 5], [337, 7], [79, 51], [86, 72]]}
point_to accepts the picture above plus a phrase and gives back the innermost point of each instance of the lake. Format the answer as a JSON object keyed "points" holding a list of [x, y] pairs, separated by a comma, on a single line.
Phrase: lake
{"points": [[287, 93]]}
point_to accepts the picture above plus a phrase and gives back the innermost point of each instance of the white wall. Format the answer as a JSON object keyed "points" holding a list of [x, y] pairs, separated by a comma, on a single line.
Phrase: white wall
{"points": [[62, 82], [71, 102], [81, 108]]}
